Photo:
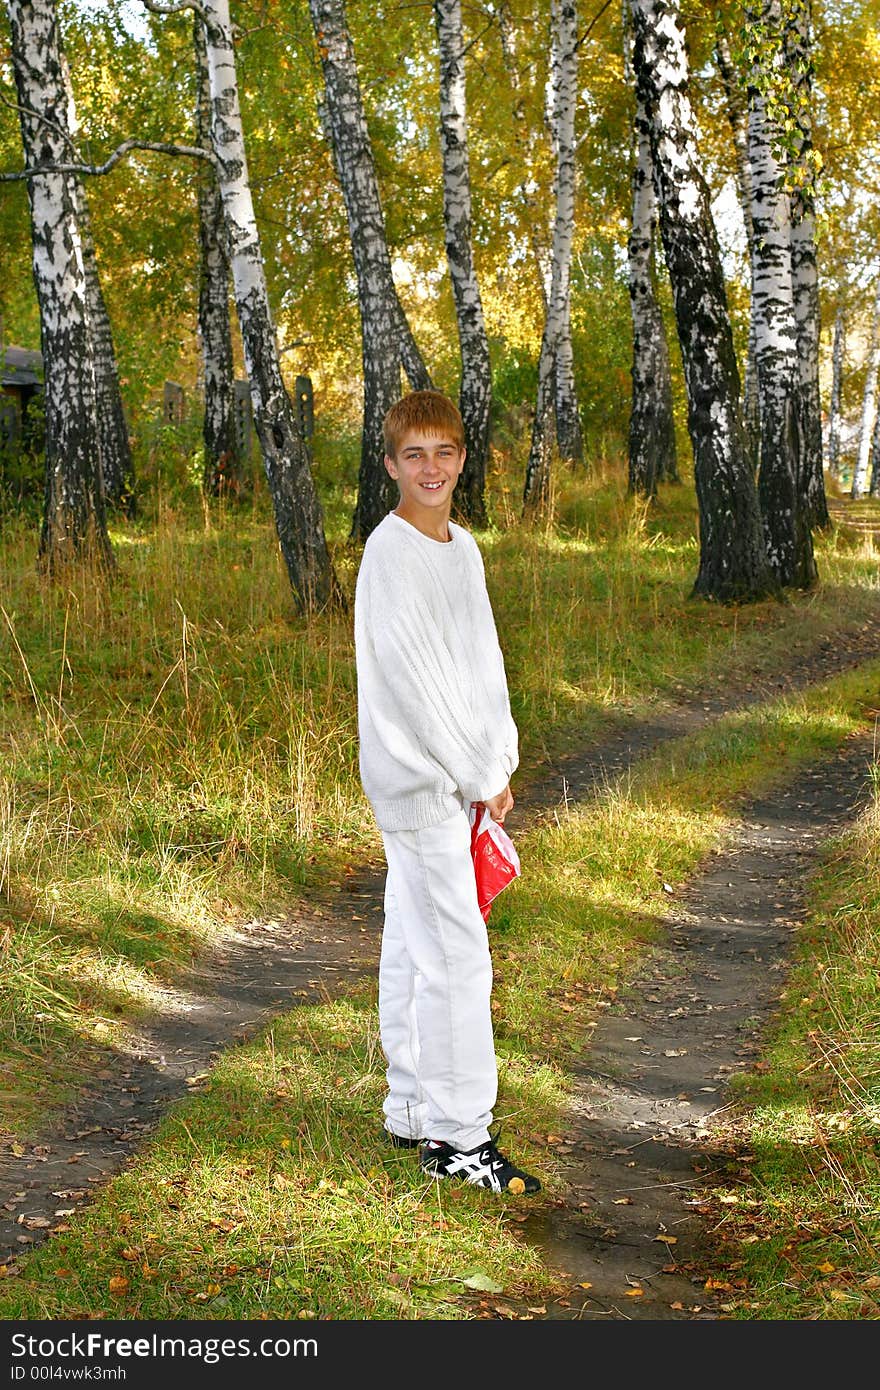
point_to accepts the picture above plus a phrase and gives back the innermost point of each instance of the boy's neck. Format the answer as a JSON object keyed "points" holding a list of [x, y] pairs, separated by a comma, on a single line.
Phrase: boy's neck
{"points": [[433, 524]]}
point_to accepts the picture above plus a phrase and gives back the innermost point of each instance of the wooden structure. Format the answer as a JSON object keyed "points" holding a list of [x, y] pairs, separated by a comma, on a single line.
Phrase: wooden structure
{"points": [[21, 379]]}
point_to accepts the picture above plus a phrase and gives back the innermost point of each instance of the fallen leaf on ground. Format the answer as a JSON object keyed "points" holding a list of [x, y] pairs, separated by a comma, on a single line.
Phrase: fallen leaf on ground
{"points": [[478, 1280], [826, 1267], [634, 1293], [667, 1240], [118, 1285]]}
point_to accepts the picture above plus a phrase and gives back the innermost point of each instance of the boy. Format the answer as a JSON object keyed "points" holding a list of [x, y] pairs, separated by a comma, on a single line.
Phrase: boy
{"points": [[436, 734]]}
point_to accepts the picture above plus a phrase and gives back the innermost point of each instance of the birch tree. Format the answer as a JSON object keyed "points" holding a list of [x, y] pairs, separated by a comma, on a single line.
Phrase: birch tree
{"points": [[117, 463], [652, 454], [221, 469], [475, 397], [298, 514], [875, 457], [736, 107], [74, 523], [781, 482], [869, 403], [733, 563], [803, 167], [563, 84], [838, 352], [386, 338]]}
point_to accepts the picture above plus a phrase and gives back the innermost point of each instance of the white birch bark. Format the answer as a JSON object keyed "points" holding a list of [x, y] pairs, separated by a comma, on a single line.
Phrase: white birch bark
{"points": [[651, 423], [838, 353], [222, 467], [733, 563], [387, 340], [562, 108], [781, 493], [117, 463], [737, 118], [298, 515], [74, 525], [869, 404], [875, 457], [563, 19], [805, 277], [475, 398]]}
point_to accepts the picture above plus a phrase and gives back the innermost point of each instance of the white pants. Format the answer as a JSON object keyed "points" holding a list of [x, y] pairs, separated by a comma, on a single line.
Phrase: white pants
{"points": [[435, 981]]}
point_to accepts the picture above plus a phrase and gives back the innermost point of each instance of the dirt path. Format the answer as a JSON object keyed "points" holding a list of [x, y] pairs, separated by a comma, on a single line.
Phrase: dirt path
{"points": [[265, 967], [659, 1061]]}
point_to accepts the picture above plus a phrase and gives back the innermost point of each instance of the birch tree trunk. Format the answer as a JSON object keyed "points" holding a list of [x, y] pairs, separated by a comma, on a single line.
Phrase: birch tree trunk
{"points": [[737, 117], [74, 523], [805, 279], [838, 353], [475, 397], [869, 404], [563, 81], [117, 463], [387, 340], [298, 515], [651, 423], [222, 466], [569, 435], [781, 484], [875, 457], [563, 102], [733, 562]]}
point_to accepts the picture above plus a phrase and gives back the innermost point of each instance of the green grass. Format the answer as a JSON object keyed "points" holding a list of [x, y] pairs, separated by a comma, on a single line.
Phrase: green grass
{"points": [[180, 749], [271, 1194]]}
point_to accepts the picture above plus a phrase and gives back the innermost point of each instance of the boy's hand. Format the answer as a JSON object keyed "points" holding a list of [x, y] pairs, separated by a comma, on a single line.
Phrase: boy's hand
{"points": [[498, 806]]}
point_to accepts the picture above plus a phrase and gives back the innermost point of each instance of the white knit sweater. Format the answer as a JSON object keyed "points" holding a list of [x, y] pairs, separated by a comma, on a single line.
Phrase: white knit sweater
{"points": [[433, 709]]}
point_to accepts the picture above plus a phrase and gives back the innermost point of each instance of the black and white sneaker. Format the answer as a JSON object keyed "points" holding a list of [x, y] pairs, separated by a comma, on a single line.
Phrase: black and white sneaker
{"points": [[484, 1166]]}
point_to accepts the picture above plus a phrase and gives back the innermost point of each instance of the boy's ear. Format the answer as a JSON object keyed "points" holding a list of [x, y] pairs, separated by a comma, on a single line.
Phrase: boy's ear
{"points": [[391, 467]]}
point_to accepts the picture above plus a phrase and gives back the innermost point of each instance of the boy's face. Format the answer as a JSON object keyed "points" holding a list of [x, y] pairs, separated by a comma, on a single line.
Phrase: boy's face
{"points": [[426, 468]]}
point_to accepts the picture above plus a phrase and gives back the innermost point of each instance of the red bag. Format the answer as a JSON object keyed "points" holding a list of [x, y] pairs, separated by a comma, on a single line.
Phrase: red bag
{"points": [[496, 862]]}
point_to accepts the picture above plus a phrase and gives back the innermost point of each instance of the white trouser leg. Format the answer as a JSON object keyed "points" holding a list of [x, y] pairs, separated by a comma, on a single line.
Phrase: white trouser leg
{"points": [[404, 1104], [436, 925]]}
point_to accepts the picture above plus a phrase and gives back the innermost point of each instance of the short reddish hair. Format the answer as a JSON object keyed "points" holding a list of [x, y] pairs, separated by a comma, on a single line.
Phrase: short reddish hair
{"points": [[429, 411]]}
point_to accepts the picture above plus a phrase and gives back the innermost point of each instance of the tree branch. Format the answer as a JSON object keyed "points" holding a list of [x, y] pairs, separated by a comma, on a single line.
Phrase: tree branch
{"points": [[157, 146], [589, 29], [44, 120]]}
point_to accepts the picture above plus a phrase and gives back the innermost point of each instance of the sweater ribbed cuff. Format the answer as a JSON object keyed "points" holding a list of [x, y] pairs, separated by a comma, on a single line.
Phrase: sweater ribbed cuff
{"points": [[494, 781]]}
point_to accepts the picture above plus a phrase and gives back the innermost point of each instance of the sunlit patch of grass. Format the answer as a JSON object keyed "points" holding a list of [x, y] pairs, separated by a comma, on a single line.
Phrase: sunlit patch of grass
{"points": [[273, 1194]]}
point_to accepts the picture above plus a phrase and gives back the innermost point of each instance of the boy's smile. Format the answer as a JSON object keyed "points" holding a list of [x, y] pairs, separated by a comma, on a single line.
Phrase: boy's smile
{"points": [[426, 468]]}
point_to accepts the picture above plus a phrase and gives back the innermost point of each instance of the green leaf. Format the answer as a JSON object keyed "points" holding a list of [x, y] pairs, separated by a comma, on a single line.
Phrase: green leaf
{"points": [[476, 1279]]}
